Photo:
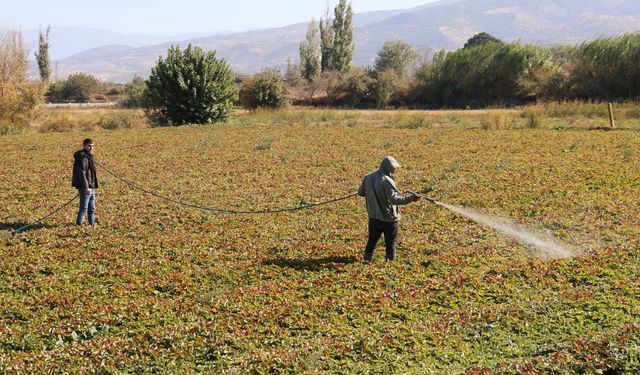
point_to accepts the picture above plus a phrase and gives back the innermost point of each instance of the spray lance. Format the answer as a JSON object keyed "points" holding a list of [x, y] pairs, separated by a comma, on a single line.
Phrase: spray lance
{"points": [[418, 195]]}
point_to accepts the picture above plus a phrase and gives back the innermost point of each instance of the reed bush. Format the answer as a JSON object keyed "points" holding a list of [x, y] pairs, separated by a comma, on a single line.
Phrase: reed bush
{"points": [[606, 68]]}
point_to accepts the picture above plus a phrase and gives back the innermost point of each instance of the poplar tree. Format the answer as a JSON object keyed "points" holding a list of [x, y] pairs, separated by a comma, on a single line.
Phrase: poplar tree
{"points": [[343, 47], [42, 56], [326, 41], [18, 96], [310, 53]]}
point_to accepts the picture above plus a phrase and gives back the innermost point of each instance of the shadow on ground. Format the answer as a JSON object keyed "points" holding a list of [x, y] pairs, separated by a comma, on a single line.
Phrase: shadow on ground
{"points": [[327, 263]]}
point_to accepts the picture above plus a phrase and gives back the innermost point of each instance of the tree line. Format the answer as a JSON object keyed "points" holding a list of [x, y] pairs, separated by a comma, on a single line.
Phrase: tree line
{"points": [[194, 86], [485, 72]]}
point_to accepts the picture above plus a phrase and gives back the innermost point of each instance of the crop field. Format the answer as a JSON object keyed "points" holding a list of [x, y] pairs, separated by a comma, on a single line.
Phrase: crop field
{"points": [[159, 288]]}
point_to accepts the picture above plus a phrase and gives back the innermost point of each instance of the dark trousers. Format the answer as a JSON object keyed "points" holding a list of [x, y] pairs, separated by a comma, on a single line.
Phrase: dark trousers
{"points": [[376, 229]]}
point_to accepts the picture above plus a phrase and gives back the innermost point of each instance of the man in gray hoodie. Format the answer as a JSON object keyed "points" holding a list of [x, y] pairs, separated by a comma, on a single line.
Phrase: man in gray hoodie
{"points": [[383, 200]]}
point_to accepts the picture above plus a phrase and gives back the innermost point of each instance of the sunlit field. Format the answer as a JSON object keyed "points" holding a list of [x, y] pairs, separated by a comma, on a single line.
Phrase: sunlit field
{"points": [[157, 287]]}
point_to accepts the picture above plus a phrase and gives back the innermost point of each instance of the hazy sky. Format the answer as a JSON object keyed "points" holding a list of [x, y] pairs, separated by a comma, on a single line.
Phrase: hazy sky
{"points": [[164, 17]]}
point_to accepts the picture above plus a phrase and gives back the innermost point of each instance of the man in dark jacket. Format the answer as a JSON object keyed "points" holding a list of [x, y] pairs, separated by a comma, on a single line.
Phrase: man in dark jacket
{"points": [[383, 200], [86, 181]]}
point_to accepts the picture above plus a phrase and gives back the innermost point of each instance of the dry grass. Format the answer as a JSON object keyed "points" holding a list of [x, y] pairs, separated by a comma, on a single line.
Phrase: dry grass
{"points": [[557, 115], [89, 119]]}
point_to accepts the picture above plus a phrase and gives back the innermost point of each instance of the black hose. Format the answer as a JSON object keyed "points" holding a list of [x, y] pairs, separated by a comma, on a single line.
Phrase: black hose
{"points": [[220, 210], [46, 217]]}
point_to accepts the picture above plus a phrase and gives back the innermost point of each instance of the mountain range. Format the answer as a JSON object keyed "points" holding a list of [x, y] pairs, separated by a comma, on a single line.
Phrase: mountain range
{"points": [[68, 41], [446, 24]]}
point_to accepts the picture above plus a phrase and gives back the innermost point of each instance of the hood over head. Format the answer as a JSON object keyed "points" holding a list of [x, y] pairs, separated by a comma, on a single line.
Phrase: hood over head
{"points": [[389, 165]]}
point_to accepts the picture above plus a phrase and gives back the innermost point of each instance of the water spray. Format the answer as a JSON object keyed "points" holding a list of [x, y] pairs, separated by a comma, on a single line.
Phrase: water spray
{"points": [[549, 246]]}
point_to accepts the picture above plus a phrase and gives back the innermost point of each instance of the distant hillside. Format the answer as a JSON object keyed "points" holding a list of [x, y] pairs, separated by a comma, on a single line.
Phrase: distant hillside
{"points": [[445, 24], [449, 24], [68, 41]]}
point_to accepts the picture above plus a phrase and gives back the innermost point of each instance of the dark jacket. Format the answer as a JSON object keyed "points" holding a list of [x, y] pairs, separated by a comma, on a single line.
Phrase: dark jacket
{"points": [[84, 171], [382, 196]]}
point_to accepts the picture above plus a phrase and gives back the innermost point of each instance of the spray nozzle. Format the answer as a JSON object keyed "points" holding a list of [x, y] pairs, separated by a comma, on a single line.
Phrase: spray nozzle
{"points": [[429, 199], [421, 196]]}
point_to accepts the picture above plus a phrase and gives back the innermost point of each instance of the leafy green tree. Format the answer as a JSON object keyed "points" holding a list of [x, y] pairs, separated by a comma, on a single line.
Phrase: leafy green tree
{"points": [[310, 52], [77, 87], [481, 39], [326, 42], [266, 89], [354, 88], [42, 56], [386, 86], [136, 93], [427, 82], [293, 74], [395, 55], [191, 87], [343, 47], [80, 87]]}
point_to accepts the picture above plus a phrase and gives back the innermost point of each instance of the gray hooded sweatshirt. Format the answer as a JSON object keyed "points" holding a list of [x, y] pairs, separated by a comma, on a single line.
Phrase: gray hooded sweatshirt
{"points": [[382, 196]]}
